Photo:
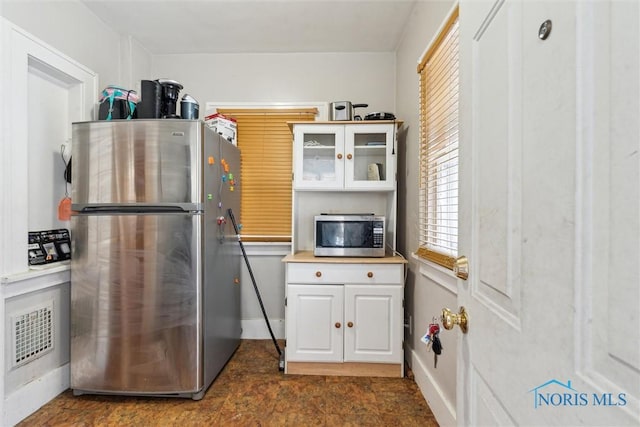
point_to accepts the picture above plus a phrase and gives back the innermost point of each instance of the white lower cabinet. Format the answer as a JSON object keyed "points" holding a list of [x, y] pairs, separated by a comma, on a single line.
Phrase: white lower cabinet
{"points": [[314, 323], [359, 320], [373, 316]]}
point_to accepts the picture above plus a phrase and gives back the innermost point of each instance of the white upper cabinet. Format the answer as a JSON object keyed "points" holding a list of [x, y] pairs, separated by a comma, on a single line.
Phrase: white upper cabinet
{"points": [[354, 156], [318, 157]]}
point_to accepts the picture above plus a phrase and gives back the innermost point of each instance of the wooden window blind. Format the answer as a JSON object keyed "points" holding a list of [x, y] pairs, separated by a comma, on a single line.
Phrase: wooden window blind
{"points": [[438, 195], [266, 144]]}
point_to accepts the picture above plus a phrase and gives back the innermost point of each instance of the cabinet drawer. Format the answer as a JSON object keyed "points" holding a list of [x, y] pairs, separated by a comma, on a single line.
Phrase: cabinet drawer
{"points": [[345, 273]]}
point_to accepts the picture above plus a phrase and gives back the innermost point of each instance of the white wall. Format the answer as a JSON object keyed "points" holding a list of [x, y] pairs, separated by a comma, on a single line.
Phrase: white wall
{"points": [[75, 31], [135, 63], [268, 270], [424, 297], [296, 77], [72, 29]]}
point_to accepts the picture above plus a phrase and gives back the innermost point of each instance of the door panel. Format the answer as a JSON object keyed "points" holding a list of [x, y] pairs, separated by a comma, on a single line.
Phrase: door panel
{"points": [[498, 163], [366, 147], [375, 313], [550, 208], [488, 408], [609, 189], [319, 164], [313, 313]]}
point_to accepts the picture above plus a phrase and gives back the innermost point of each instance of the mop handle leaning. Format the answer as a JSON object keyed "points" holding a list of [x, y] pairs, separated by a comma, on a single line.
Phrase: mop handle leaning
{"points": [[253, 280]]}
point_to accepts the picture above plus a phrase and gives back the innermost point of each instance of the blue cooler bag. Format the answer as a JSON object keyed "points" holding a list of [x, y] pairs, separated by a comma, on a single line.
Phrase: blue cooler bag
{"points": [[118, 103]]}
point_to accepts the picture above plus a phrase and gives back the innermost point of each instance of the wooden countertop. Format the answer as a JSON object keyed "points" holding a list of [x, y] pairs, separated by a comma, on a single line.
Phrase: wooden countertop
{"points": [[307, 256]]}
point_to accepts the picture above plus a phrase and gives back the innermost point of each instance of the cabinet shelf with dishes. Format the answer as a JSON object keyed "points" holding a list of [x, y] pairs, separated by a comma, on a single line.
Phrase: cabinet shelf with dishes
{"points": [[343, 316], [371, 147]]}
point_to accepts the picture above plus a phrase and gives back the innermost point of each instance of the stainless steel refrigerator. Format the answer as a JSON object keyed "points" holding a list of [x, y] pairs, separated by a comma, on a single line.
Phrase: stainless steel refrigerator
{"points": [[155, 295]]}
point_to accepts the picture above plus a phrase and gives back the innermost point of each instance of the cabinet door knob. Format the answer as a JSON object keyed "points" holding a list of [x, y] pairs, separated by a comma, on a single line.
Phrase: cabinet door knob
{"points": [[349, 156], [350, 324], [318, 273], [339, 156], [338, 325], [370, 274]]}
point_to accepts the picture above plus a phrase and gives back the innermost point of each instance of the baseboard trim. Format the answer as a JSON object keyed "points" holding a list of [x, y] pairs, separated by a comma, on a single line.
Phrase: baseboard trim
{"points": [[443, 409], [33, 395], [352, 369]]}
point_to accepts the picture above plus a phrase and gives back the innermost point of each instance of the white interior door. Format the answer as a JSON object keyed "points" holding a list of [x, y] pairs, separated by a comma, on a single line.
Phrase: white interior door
{"points": [[550, 213]]}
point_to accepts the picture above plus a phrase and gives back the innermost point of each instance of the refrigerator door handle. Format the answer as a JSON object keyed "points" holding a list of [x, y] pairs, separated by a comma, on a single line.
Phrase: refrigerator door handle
{"points": [[137, 208]]}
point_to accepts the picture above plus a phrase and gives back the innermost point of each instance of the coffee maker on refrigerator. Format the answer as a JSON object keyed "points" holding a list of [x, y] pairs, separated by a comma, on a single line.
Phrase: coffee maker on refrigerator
{"points": [[159, 99]]}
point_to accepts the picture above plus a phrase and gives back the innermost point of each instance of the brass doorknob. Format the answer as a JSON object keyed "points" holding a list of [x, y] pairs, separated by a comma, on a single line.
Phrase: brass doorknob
{"points": [[339, 156], [449, 319], [338, 325], [349, 156], [350, 324], [461, 267]]}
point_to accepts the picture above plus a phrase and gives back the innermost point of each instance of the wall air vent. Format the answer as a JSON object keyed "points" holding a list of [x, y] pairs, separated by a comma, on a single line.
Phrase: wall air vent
{"points": [[32, 334]]}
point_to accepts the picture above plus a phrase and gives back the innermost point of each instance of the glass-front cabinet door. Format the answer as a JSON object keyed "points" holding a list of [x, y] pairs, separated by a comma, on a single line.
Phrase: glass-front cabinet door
{"points": [[318, 157], [354, 156], [369, 151]]}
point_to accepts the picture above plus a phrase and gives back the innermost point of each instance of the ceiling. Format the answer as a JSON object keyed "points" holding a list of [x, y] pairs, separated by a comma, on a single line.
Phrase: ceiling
{"points": [[258, 26]]}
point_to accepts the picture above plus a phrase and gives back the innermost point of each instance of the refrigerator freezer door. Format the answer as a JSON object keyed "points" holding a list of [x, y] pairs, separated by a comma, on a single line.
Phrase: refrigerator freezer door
{"points": [[136, 304], [137, 162]]}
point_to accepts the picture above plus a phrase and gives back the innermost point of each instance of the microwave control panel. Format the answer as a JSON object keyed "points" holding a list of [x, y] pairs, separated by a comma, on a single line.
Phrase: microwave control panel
{"points": [[378, 235]]}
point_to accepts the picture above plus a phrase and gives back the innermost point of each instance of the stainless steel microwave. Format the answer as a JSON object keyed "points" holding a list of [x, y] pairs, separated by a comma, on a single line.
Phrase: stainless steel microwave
{"points": [[349, 235]]}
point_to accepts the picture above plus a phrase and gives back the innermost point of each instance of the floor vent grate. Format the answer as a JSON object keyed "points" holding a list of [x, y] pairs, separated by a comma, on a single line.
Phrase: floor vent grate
{"points": [[33, 334]]}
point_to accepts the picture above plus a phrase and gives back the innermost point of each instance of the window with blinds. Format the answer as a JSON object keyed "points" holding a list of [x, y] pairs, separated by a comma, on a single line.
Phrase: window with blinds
{"points": [[266, 143], [438, 193]]}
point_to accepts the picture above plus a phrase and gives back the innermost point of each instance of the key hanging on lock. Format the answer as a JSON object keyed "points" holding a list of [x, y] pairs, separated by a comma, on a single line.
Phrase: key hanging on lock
{"points": [[437, 349], [434, 329], [426, 338]]}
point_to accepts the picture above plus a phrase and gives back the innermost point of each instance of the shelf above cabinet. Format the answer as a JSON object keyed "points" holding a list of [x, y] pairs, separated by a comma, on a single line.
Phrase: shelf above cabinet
{"points": [[307, 256], [346, 122], [369, 147]]}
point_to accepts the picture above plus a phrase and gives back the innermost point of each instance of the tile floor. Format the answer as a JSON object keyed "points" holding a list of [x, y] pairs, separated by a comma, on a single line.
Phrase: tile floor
{"points": [[250, 391]]}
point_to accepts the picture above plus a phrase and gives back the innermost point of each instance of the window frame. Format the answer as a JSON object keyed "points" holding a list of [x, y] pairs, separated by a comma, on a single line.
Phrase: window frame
{"points": [[436, 224]]}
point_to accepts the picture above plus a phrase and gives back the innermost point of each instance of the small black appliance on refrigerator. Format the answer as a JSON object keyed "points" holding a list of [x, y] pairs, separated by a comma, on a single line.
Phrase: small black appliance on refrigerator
{"points": [[159, 99]]}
